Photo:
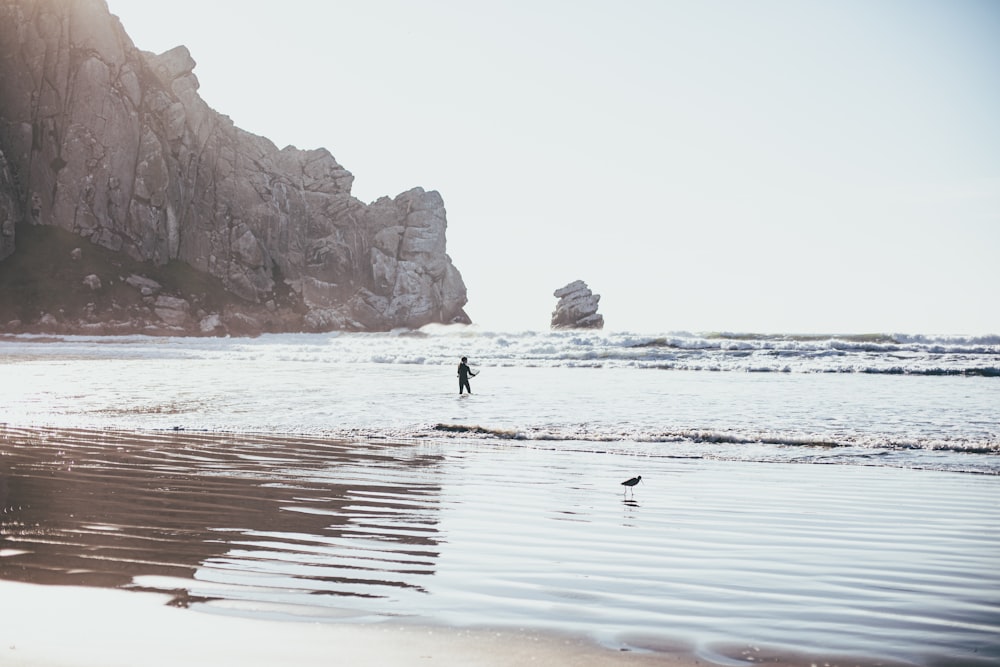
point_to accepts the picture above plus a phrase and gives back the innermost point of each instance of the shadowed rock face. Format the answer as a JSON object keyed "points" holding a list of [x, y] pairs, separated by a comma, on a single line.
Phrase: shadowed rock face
{"points": [[577, 308], [9, 209], [115, 145]]}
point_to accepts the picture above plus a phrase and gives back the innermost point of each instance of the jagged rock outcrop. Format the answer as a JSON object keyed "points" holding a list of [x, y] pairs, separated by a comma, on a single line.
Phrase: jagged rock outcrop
{"points": [[115, 145], [577, 308]]}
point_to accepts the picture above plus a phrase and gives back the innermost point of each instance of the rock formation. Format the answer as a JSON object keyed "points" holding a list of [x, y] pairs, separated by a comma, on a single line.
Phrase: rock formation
{"points": [[116, 146], [577, 308], [9, 209]]}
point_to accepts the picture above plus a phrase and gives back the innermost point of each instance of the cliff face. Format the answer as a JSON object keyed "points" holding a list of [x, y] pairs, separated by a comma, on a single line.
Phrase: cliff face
{"points": [[115, 145]]}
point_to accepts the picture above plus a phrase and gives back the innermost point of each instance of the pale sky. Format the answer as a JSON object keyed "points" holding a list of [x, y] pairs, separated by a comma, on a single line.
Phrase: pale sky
{"points": [[704, 165]]}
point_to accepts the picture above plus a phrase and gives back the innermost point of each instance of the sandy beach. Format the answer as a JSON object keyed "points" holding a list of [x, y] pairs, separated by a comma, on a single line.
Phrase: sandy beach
{"points": [[159, 547], [46, 626]]}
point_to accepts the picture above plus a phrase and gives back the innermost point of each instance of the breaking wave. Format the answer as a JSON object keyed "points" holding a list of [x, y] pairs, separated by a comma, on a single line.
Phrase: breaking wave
{"points": [[890, 354], [714, 437]]}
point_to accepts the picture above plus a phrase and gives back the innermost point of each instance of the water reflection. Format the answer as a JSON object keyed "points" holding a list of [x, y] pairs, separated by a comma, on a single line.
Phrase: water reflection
{"points": [[497, 534], [239, 518]]}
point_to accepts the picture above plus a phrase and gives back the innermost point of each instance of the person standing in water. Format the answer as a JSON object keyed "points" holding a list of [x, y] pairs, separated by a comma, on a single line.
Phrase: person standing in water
{"points": [[463, 376]]}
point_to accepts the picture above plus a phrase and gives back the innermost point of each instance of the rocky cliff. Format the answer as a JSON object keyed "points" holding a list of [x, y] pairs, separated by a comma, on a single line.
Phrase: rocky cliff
{"points": [[115, 145]]}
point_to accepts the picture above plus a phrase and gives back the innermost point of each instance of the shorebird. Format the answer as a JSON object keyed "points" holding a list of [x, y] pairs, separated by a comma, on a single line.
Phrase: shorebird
{"points": [[632, 482]]}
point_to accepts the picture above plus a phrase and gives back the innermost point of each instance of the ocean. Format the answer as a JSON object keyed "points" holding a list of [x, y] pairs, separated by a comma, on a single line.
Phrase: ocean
{"points": [[832, 495], [900, 400]]}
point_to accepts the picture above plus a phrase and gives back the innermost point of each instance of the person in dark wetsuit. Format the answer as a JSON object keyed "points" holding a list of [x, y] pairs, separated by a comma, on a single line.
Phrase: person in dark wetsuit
{"points": [[463, 376]]}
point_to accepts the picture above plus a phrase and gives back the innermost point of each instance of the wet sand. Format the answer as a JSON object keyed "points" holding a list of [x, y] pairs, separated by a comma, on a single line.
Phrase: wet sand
{"points": [[48, 626], [160, 547]]}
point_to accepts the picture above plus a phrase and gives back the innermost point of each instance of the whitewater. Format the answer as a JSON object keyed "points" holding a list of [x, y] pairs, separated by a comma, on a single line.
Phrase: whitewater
{"points": [[901, 400]]}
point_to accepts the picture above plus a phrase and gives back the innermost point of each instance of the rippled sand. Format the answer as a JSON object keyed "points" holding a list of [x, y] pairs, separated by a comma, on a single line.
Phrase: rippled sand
{"points": [[705, 560], [70, 626]]}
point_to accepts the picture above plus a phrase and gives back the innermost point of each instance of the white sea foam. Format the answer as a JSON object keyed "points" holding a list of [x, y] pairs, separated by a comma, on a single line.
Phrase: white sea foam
{"points": [[896, 353]]}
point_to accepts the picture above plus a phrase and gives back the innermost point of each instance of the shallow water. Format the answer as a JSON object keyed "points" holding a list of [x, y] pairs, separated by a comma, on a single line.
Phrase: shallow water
{"points": [[842, 498], [886, 562], [404, 387]]}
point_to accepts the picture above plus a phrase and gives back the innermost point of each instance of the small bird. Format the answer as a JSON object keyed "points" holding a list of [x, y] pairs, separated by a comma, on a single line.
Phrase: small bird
{"points": [[632, 482]]}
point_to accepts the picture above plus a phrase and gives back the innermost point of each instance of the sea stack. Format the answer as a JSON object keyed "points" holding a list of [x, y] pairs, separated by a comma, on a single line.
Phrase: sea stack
{"points": [[577, 308]]}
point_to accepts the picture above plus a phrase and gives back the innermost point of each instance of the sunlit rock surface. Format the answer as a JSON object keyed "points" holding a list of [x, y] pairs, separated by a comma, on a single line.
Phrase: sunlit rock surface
{"points": [[577, 308], [115, 145]]}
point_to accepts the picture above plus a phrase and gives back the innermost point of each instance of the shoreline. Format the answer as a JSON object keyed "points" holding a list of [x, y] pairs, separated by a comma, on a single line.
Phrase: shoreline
{"points": [[66, 626]]}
